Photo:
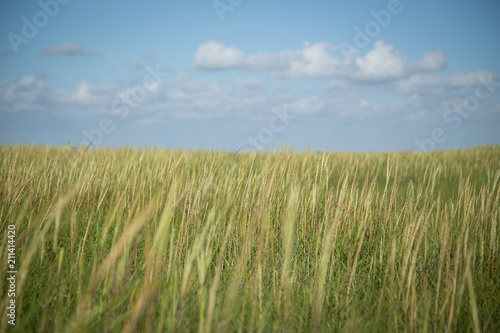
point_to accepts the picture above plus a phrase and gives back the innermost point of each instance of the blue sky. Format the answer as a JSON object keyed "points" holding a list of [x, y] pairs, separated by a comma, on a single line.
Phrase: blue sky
{"points": [[240, 74]]}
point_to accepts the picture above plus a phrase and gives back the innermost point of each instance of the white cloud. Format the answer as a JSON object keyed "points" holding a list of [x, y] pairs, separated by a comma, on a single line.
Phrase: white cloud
{"points": [[28, 93], [338, 85], [85, 94], [214, 55], [425, 83], [415, 97], [382, 63], [248, 83], [307, 105], [430, 62], [33, 94]]}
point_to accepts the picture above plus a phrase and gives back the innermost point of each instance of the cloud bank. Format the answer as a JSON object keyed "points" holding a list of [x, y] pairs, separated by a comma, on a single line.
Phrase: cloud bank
{"points": [[319, 60], [381, 83]]}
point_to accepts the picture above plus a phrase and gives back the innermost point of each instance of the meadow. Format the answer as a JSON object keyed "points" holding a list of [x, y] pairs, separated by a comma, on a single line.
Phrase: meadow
{"points": [[160, 240]]}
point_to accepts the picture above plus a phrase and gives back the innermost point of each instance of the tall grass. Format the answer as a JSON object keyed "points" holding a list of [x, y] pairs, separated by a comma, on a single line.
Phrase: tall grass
{"points": [[173, 240]]}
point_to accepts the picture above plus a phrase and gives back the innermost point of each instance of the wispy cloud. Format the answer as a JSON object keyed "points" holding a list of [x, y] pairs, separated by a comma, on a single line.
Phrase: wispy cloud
{"points": [[422, 96], [135, 65], [142, 62], [68, 49], [421, 83]]}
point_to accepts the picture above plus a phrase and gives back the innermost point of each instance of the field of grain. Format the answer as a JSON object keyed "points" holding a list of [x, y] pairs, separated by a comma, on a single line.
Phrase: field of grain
{"points": [[156, 240]]}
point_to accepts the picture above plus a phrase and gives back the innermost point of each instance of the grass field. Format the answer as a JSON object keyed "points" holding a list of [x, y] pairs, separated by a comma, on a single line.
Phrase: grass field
{"points": [[167, 240]]}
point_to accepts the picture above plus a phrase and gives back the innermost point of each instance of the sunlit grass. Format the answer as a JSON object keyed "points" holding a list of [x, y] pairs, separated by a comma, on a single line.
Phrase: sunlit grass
{"points": [[169, 240]]}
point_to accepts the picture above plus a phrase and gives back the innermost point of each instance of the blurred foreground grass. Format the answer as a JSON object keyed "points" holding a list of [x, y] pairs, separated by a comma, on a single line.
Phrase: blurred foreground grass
{"points": [[169, 240]]}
